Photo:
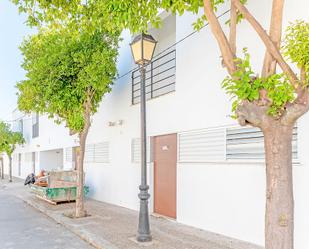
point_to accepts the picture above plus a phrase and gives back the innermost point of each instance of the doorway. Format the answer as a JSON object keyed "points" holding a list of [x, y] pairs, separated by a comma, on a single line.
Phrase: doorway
{"points": [[165, 175]]}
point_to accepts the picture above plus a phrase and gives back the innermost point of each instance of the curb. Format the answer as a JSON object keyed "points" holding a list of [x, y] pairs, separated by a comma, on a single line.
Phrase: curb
{"points": [[98, 241], [90, 238]]}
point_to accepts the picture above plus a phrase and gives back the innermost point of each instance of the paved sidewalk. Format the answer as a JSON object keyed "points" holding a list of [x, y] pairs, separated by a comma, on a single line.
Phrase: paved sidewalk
{"points": [[23, 227], [113, 227]]}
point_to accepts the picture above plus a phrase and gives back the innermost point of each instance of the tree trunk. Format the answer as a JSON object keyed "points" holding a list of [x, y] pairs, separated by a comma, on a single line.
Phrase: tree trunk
{"points": [[233, 24], [80, 209], [217, 31], [279, 217], [10, 168], [270, 46], [80, 154], [275, 31]]}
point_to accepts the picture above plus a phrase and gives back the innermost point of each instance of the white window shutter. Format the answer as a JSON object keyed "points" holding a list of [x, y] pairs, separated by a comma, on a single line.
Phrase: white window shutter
{"points": [[136, 150], [101, 152], [201, 146], [243, 143], [69, 155], [89, 153]]}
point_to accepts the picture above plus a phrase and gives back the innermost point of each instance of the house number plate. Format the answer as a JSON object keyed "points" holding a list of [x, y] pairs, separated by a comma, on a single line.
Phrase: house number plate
{"points": [[165, 147]]}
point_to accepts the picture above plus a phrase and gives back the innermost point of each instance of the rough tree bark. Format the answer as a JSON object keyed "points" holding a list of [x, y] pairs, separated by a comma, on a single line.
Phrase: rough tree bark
{"points": [[225, 48], [270, 46], [10, 168], [275, 32], [279, 216], [80, 208], [278, 132], [233, 24]]}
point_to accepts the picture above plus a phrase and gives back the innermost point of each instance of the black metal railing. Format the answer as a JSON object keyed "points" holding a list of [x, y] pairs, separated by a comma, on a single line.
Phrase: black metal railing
{"points": [[160, 77]]}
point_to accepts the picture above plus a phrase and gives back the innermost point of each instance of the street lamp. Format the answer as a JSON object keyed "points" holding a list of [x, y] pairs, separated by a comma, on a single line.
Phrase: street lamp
{"points": [[143, 47]]}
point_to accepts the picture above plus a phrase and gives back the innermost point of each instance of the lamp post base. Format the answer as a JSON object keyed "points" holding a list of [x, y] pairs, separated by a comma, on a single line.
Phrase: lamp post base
{"points": [[143, 223], [144, 238]]}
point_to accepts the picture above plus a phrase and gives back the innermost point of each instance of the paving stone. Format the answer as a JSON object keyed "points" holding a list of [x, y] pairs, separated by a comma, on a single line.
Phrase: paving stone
{"points": [[114, 227], [22, 227]]}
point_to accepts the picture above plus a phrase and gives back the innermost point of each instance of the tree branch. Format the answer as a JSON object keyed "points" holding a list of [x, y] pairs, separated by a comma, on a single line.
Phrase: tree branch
{"points": [[303, 76], [271, 47], [251, 113], [275, 32], [295, 110], [87, 111], [233, 23], [226, 51]]}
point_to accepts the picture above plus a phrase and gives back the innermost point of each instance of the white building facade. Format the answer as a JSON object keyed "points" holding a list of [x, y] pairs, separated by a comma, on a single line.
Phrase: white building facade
{"points": [[210, 170]]}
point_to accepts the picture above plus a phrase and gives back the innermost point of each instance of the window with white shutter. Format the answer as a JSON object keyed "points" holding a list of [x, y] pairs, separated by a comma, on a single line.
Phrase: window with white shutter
{"points": [[101, 152], [225, 144], [69, 155], [136, 150], [89, 153], [201, 146], [248, 143], [97, 153]]}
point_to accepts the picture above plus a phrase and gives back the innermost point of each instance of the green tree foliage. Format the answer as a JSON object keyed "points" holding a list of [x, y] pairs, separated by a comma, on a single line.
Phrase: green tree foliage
{"points": [[135, 15], [244, 84], [68, 72], [268, 103], [9, 139], [296, 46], [64, 70]]}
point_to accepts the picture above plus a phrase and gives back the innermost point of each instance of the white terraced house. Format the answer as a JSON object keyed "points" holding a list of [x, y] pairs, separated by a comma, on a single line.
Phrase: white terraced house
{"points": [[204, 169]]}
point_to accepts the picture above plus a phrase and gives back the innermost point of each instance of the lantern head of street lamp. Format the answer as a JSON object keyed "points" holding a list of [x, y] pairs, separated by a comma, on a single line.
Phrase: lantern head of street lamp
{"points": [[143, 47]]}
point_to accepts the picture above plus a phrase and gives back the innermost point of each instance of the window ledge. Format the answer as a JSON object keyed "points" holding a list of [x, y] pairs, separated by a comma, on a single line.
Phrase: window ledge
{"points": [[239, 162]]}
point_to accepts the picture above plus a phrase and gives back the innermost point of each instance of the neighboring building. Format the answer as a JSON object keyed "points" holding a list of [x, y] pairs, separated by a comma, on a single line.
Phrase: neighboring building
{"points": [[208, 172], [39, 152]]}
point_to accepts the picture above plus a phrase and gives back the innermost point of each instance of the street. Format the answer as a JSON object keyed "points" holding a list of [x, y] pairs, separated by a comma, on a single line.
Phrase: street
{"points": [[22, 227]]}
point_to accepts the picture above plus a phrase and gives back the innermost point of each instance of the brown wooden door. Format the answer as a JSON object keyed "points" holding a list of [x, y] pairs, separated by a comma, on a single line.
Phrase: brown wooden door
{"points": [[165, 175]]}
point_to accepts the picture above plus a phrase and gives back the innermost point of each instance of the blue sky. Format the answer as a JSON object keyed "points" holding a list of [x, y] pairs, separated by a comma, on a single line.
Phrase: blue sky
{"points": [[12, 31]]}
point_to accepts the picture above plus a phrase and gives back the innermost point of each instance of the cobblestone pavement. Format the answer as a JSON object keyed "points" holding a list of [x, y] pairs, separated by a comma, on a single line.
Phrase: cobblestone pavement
{"points": [[23, 227]]}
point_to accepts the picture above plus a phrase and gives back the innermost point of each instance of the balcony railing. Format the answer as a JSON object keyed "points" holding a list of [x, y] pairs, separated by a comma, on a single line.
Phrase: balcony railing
{"points": [[160, 77]]}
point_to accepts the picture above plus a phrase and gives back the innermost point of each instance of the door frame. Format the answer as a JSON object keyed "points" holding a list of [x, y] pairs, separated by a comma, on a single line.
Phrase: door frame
{"points": [[152, 174]]}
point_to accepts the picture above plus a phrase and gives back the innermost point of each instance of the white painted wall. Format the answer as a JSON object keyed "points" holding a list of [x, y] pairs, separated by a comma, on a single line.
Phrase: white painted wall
{"points": [[52, 137], [226, 198], [51, 160]]}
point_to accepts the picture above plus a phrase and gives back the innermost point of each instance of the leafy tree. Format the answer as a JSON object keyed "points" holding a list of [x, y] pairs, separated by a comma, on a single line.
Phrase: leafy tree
{"points": [[272, 102], [8, 142], [67, 75]]}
